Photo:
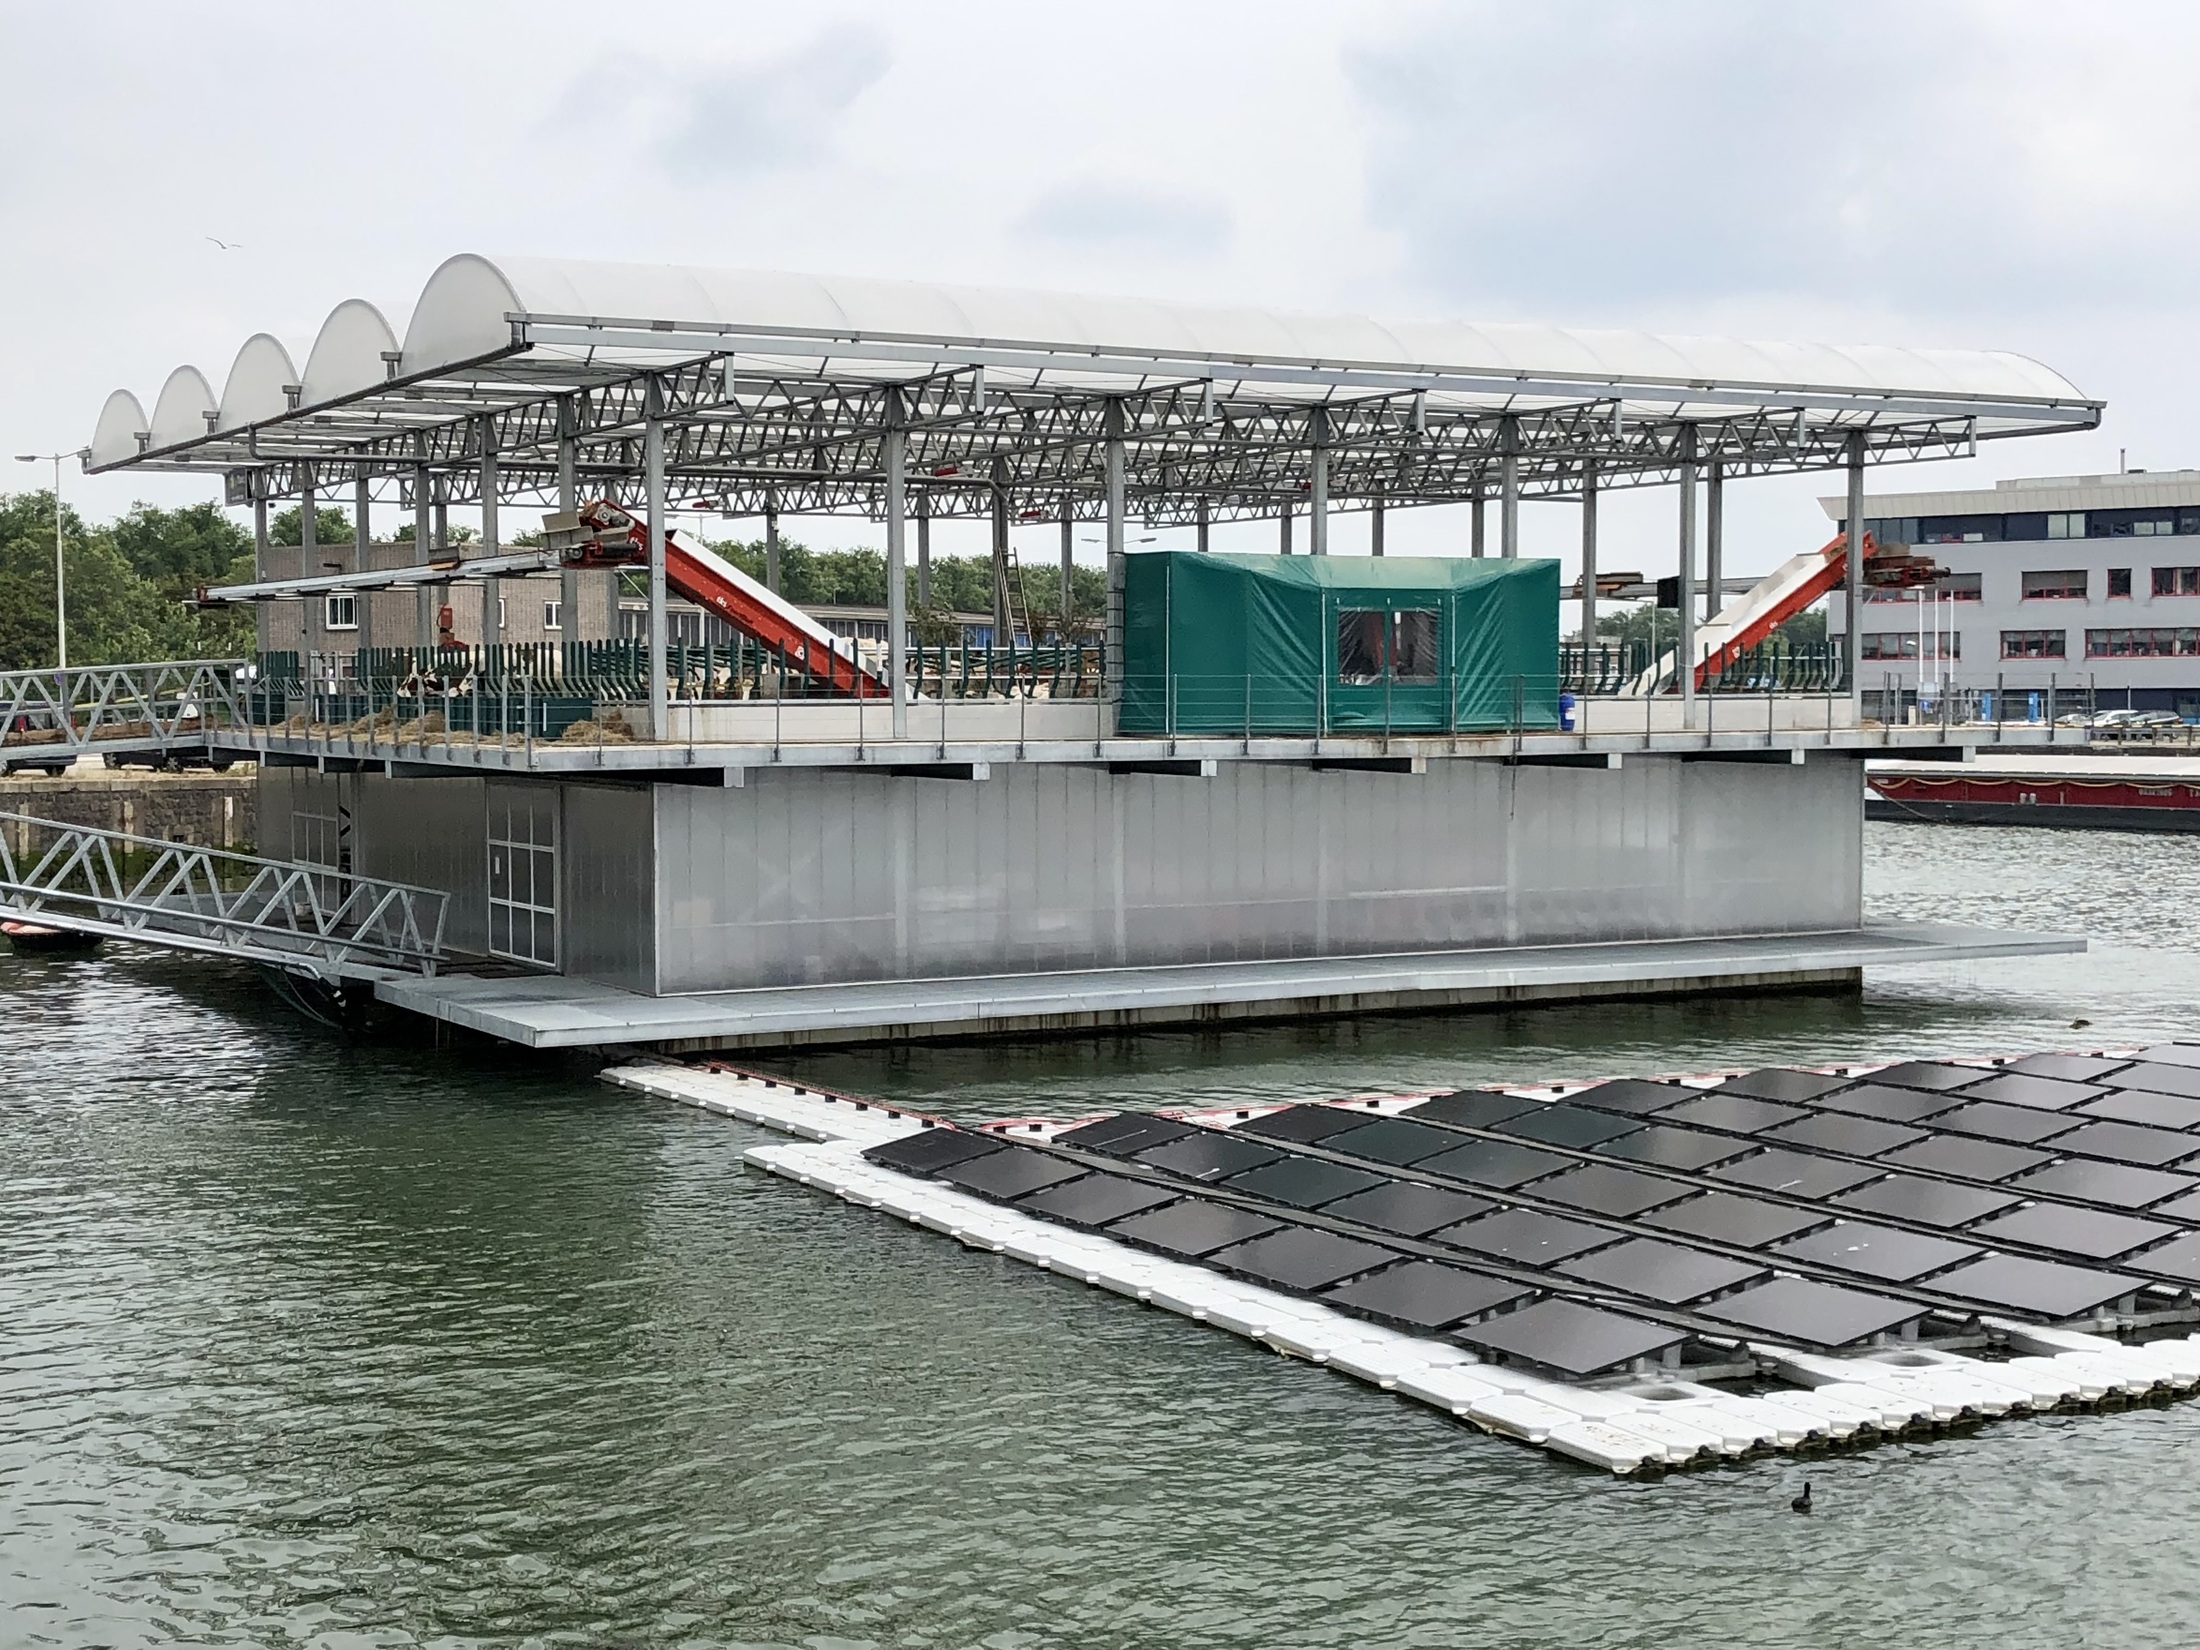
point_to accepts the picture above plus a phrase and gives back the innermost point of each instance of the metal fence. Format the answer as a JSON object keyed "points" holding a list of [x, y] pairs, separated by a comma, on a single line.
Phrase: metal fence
{"points": [[65, 713]]}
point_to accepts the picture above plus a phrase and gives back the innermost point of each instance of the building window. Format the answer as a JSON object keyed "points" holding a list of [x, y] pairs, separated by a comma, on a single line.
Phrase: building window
{"points": [[2147, 527], [2061, 584], [341, 612], [2034, 644], [2177, 581], [2119, 581], [1903, 644], [2183, 643], [523, 875], [553, 615], [1952, 587], [2066, 527]]}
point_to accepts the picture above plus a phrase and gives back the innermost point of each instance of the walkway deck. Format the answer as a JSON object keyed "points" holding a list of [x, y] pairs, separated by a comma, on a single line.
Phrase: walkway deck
{"points": [[547, 1011]]}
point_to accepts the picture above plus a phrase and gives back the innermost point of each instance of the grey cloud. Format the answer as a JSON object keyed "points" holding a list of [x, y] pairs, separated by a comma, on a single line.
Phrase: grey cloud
{"points": [[1101, 214], [762, 116], [1576, 151]]}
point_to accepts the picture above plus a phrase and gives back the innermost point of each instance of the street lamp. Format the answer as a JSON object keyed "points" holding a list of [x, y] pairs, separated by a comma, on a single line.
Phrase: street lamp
{"points": [[60, 588]]}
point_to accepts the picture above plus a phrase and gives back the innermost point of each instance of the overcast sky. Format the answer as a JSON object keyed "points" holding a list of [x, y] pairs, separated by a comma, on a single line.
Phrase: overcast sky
{"points": [[2000, 175]]}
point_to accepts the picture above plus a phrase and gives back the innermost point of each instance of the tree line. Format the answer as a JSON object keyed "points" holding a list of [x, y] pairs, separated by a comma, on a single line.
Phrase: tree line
{"points": [[129, 580]]}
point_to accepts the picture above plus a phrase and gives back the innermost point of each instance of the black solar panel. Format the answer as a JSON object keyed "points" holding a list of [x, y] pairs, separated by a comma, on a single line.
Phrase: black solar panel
{"points": [[1571, 1339], [1009, 1173], [1471, 1108], [1303, 1182], [2180, 1259], [1298, 1257], [1602, 1189], [1209, 1155], [2179, 1208], [1302, 1124], [1194, 1228], [1832, 1132], [1928, 1074], [2184, 1080], [2128, 1143], [1796, 1174], [1889, 1104], [1631, 1096], [2070, 1068], [1811, 1313], [1724, 1217], [1124, 1133], [1563, 1125], [1493, 1163], [2038, 1288], [1877, 1251], [1392, 1141], [2148, 1106], [2172, 1054], [1780, 1083], [1928, 1202], [1096, 1199], [2019, 1125], [1972, 1159], [1422, 1294], [930, 1150], [1737, 1113], [1400, 1206], [2118, 1185], [2015, 1088], [1663, 1272], [1526, 1235], [1674, 1148], [2089, 1234]]}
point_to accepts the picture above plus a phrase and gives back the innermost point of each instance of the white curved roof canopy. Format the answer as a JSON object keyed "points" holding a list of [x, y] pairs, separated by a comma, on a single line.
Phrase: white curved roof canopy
{"points": [[122, 428], [779, 387]]}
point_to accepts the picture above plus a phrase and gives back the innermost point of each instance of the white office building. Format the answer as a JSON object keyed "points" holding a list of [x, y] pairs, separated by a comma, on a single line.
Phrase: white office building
{"points": [[2061, 592]]}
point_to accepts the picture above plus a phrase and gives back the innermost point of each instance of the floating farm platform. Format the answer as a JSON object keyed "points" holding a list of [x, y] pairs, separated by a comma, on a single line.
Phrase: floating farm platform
{"points": [[1636, 1274]]}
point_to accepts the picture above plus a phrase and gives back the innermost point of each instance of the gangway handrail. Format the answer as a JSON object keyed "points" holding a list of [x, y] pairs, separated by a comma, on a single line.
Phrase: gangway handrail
{"points": [[315, 918], [91, 707]]}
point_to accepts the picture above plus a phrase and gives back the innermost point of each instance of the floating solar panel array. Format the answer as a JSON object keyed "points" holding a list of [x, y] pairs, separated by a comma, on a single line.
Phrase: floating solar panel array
{"points": [[1644, 1225], [1589, 1267]]}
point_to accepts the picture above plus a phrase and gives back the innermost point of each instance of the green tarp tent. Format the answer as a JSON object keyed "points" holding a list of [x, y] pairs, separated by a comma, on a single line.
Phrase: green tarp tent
{"points": [[1216, 644]]}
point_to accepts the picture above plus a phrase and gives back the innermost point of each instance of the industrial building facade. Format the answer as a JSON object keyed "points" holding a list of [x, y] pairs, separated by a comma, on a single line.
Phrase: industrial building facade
{"points": [[2057, 586]]}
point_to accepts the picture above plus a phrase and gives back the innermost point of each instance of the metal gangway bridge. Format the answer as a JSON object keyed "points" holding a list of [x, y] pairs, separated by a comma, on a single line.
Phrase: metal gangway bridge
{"points": [[49, 718]]}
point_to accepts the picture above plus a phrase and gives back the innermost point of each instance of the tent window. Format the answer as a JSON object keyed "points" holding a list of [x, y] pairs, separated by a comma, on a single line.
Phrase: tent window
{"points": [[1413, 646], [1360, 645]]}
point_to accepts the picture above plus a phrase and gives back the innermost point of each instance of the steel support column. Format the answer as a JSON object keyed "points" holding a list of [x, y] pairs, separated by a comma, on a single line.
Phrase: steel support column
{"points": [[311, 630], [1317, 519], [1508, 521], [1685, 658], [897, 571], [1069, 574], [1477, 542], [260, 610], [1852, 642], [1004, 631], [362, 538], [1375, 527], [424, 599], [1199, 516], [771, 543], [1112, 625], [924, 549], [1714, 541], [569, 501], [1588, 565], [1283, 545], [492, 590], [653, 512]]}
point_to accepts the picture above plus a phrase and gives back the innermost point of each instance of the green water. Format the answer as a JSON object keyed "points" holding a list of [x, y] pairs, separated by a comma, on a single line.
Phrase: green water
{"points": [[307, 1345]]}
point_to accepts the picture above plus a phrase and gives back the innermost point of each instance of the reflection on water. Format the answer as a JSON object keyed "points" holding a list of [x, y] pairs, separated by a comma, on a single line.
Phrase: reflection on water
{"points": [[308, 1345]]}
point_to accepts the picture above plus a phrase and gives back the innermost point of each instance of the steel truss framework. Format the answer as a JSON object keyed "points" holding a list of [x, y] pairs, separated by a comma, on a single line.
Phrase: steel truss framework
{"points": [[799, 425]]}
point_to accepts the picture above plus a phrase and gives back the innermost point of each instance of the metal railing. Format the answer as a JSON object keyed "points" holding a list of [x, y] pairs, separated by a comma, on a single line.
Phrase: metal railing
{"points": [[314, 919], [72, 711]]}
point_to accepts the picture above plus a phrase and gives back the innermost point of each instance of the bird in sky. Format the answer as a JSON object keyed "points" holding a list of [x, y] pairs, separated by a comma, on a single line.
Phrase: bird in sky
{"points": [[227, 246]]}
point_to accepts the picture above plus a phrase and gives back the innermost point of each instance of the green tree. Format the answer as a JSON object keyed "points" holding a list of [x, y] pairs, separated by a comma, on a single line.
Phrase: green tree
{"points": [[114, 615], [330, 526]]}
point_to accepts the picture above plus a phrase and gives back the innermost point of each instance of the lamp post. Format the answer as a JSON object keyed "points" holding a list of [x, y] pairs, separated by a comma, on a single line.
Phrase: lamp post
{"points": [[60, 588]]}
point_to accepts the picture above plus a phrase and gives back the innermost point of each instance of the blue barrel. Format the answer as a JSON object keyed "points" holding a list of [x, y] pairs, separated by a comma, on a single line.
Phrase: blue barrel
{"points": [[1565, 713]]}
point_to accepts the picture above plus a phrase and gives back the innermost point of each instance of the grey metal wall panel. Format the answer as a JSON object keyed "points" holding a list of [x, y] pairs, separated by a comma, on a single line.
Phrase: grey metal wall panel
{"points": [[432, 832], [831, 876], [607, 874]]}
